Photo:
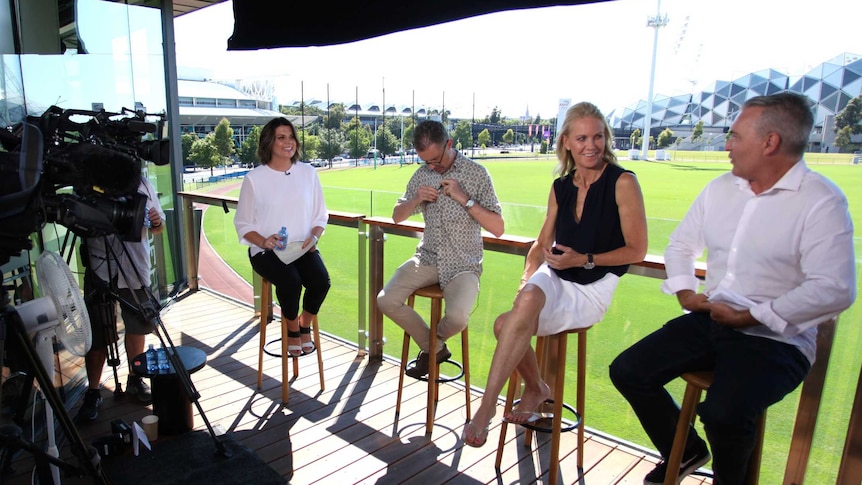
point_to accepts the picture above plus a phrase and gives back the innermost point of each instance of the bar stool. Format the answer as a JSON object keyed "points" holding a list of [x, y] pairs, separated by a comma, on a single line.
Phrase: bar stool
{"points": [[696, 383], [435, 293], [543, 344], [266, 316]]}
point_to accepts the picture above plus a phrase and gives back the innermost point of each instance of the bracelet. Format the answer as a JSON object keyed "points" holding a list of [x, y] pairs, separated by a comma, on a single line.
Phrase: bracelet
{"points": [[156, 225], [315, 238]]}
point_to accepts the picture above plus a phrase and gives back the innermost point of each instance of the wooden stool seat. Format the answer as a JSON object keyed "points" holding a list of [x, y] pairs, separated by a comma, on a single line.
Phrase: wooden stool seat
{"points": [[266, 316], [543, 344], [435, 293], [695, 384]]}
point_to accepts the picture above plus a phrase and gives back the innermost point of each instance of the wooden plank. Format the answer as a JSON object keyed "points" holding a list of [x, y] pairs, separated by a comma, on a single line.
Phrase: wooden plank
{"points": [[345, 433]]}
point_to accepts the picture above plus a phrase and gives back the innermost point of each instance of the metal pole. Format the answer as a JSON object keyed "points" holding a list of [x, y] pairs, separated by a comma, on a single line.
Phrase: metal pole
{"points": [[656, 23]]}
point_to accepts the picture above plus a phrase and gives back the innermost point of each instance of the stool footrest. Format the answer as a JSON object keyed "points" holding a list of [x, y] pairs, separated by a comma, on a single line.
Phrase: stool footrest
{"points": [[441, 378], [277, 342], [568, 425]]}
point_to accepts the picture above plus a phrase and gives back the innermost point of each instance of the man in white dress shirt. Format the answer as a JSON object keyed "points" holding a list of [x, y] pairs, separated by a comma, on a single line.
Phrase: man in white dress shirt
{"points": [[779, 242]]}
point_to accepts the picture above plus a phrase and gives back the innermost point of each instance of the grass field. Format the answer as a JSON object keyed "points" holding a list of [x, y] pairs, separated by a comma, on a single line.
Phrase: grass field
{"points": [[639, 307]]}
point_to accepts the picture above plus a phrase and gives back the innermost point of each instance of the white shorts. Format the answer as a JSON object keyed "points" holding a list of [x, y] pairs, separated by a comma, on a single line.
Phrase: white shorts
{"points": [[569, 306]]}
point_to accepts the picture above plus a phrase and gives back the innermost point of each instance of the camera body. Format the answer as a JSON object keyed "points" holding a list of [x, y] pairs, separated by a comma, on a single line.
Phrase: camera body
{"points": [[83, 175]]}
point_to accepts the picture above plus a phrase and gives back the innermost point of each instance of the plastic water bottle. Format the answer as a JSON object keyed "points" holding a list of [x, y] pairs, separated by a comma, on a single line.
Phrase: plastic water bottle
{"points": [[147, 222], [162, 359], [152, 360], [282, 238]]}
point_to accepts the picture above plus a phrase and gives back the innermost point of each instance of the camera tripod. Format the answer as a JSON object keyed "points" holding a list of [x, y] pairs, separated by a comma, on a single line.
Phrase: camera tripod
{"points": [[11, 435], [144, 304]]}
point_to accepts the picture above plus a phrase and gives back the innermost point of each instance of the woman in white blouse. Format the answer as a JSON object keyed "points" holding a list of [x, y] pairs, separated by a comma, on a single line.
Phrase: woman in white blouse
{"points": [[284, 194]]}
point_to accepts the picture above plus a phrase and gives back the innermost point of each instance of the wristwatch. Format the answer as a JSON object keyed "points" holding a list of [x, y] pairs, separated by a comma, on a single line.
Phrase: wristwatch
{"points": [[589, 264], [470, 203]]}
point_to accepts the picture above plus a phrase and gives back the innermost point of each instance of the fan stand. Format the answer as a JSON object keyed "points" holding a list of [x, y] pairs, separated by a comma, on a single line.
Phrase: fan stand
{"points": [[11, 435]]}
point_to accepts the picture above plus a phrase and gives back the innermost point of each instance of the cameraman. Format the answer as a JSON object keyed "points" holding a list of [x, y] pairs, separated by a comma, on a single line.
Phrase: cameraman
{"points": [[128, 264]]}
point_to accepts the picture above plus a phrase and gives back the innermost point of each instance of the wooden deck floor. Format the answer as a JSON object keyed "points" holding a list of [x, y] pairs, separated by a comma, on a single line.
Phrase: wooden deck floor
{"points": [[345, 433]]}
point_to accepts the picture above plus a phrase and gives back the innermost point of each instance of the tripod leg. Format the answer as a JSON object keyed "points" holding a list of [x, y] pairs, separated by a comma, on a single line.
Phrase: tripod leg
{"points": [[102, 307], [108, 312]]}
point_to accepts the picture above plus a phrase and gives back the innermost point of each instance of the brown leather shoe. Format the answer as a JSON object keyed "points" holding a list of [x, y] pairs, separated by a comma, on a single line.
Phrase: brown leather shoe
{"points": [[420, 367]]}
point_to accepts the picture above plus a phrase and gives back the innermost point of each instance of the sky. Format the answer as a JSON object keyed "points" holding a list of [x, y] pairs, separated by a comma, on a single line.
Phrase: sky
{"points": [[528, 60]]}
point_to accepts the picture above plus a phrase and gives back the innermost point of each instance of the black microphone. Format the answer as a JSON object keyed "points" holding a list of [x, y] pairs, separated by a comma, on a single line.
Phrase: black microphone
{"points": [[287, 172], [141, 126]]}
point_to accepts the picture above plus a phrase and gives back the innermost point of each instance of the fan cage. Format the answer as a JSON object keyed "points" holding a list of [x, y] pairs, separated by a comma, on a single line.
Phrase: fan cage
{"points": [[57, 282]]}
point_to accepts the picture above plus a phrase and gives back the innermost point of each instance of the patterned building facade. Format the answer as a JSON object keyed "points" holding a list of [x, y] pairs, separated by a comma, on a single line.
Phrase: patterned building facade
{"points": [[829, 86]]}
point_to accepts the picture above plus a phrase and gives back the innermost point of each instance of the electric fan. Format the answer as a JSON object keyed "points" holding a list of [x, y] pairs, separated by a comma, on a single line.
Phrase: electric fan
{"points": [[59, 312]]}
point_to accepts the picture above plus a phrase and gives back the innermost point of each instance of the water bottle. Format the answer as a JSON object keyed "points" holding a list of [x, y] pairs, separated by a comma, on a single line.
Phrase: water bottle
{"points": [[162, 359], [147, 222], [152, 360], [282, 238]]}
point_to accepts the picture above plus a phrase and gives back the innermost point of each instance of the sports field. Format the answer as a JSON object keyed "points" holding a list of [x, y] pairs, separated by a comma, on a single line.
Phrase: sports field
{"points": [[639, 307]]}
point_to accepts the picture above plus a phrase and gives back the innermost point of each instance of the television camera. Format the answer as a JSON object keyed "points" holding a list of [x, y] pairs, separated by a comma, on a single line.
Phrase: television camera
{"points": [[96, 154]]}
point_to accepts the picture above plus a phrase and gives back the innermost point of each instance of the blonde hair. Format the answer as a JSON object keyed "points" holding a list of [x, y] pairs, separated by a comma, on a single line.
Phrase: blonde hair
{"points": [[583, 109]]}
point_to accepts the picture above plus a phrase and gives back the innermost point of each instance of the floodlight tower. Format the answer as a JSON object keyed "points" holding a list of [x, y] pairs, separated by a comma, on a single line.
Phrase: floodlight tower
{"points": [[656, 22]]}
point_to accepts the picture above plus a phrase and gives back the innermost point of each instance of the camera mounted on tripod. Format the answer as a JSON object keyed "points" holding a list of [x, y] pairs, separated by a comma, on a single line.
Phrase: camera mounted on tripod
{"points": [[98, 154]]}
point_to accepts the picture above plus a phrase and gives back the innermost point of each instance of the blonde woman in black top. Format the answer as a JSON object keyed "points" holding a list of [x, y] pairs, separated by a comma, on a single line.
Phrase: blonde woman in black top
{"points": [[594, 228]]}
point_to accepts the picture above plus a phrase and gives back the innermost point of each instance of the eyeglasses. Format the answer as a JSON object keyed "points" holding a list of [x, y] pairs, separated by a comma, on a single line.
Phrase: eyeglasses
{"points": [[439, 160]]}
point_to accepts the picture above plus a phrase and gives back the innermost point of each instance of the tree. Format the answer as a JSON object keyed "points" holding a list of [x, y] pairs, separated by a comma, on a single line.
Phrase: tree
{"points": [[302, 109], [463, 133], [248, 150], [358, 139], [205, 154], [407, 136], [223, 139], [387, 144], [332, 143], [635, 137], [665, 138], [850, 117], [309, 144], [484, 137], [187, 140], [508, 137], [336, 116], [698, 131], [495, 116], [842, 139]]}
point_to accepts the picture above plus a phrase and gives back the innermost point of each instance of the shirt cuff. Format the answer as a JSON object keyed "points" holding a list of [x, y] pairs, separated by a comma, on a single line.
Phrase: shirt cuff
{"points": [[675, 284], [762, 312]]}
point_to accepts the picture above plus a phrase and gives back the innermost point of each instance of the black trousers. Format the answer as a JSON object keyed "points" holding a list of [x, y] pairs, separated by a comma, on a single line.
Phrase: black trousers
{"points": [[308, 271]]}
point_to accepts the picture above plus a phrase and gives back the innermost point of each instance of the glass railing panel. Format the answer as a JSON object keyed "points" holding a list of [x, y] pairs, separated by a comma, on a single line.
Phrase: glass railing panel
{"points": [[639, 307]]}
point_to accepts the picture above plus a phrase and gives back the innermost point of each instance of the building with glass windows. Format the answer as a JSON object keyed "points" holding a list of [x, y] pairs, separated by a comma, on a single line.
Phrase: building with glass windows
{"points": [[830, 86]]}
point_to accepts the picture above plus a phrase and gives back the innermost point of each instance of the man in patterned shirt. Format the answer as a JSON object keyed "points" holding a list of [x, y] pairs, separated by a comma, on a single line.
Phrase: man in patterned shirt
{"points": [[457, 200]]}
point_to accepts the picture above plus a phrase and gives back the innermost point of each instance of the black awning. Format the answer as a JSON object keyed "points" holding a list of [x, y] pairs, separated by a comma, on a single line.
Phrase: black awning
{"points": [[260, 24]]}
